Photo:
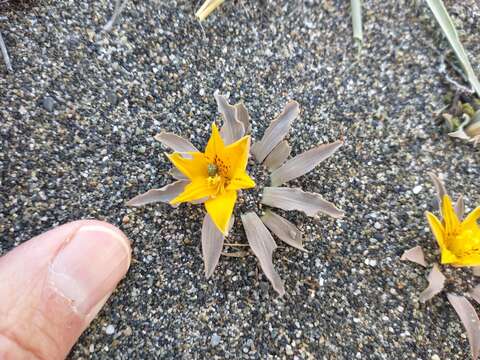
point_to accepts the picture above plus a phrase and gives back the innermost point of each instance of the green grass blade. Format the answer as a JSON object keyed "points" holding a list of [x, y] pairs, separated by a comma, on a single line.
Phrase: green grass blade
{"points": [[448, 28], [356, 8]]}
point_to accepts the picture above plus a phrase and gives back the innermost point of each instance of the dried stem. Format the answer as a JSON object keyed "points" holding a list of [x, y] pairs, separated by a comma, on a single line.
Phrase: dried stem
{"points": [[119, 6]]}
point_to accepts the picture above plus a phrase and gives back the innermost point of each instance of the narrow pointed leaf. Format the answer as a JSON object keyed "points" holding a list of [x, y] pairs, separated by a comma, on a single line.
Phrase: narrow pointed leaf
{"points": [[212, 245], [175, 142], [232, 129], [262, 245], [415, 255], [283, 229], [164, 194], [448, 28], [277, 157], [467, 314], [460, 207], [277, 130], [177, 174], [440, 189], [241, 114], [475, 293], [436, 281], [303, 163], [295, 199]]}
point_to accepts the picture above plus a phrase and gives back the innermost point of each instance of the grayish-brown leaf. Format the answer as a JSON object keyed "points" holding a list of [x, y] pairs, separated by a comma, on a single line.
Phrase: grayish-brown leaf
{"points": [[436, 281], [284, 229], [295, 199], [4, 52], [276, 131], [303, 163], [262, 245], [415, 255], [278, 155], [175, 142], [164, 194], [232, 129], [460, 207], [476, 270], [475, 292], [241, 114], [212, 245], [177, 174], [467, 314], [440, 189]]}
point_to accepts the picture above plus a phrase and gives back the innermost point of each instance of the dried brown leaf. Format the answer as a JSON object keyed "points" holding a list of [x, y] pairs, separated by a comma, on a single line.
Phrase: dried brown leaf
{"points": [[175, 142], [415, 255], [283, 229], [296, 199], [177, 174], [440, 189], [476, 270], [164, 194], [277, 130], [241, 114], [303, 163], [475, 292], [460, 207], [436, 281], [212, 245], [232, 129], [467, 314], [262, 245], [278, 155]]}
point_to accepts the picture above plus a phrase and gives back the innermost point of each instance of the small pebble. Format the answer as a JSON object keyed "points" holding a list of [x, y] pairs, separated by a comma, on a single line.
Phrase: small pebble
{"points": [[110, 330], [417, 189], [48, 103], [215, 340]]}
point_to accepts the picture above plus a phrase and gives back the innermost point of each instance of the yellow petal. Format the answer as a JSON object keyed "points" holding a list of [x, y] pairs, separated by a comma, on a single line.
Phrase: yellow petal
{"points": [[452, 222], [215, 145], [197, 189], [236, 154], [467, 260], [220, 209], [242, 181], [471, 219], [447, 257], [437, 230], [194, 168]]}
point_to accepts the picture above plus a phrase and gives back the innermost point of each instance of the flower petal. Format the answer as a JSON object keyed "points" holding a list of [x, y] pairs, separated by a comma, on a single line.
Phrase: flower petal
{"points": [[241, 114], [232, 129], [415, 255], [263, 246], [212, 245], [243, 181], [164, 194], [436, 281], [194, 168], [449, 216], [303, 163], [467, 314], [296, 199], [276, 131], [437, 229], [220, 209], [471, 218], [236, 155], [175, 142], [284, 229], [196, 190], [277, 157], [215, 144]]}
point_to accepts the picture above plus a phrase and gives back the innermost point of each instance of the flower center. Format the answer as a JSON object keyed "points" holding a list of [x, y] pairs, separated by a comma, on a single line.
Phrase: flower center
{"points": [[217, 175]]}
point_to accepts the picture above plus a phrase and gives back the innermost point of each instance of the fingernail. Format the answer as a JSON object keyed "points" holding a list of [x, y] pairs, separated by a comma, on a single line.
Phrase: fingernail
{"points": [[90, 265]]}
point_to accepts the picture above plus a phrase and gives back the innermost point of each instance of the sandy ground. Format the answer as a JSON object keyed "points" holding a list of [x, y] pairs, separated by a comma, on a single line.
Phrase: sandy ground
{"points": [[79, 113]]}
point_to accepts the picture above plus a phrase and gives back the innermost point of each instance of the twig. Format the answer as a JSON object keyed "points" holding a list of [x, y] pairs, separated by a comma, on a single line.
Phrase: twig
{"points": [[6, 58], [236, 254], [116, 13], [235, 244]]}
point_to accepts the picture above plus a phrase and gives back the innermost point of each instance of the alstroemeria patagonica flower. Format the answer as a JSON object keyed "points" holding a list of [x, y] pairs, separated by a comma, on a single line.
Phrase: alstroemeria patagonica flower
{"points": [[215, 176]]}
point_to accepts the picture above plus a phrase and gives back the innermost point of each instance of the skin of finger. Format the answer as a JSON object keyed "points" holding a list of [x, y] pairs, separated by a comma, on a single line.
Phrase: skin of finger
{"points": [[34, 315]]}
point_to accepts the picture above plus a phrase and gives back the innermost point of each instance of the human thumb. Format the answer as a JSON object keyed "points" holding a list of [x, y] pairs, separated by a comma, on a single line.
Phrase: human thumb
{"points": [[52, 287]]}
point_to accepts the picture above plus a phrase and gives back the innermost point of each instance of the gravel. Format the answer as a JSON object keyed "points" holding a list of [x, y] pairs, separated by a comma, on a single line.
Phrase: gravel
{"points": [[90, 148]]}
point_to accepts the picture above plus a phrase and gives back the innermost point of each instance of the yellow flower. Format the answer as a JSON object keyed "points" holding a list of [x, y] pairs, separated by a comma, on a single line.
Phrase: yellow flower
{"points": [[215, 176], [459, 241]]}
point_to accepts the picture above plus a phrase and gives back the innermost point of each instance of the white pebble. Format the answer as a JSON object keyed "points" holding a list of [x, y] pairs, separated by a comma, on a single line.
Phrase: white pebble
{"points": [[110, 330], [417, 189]]}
